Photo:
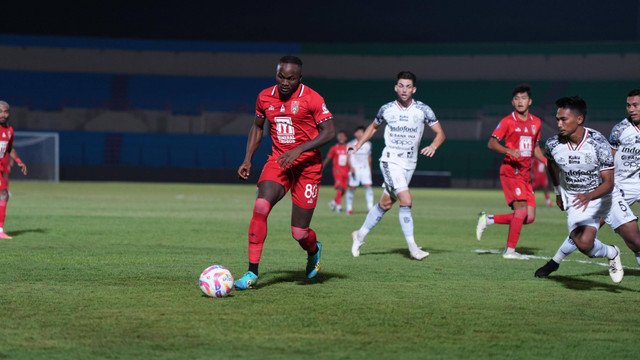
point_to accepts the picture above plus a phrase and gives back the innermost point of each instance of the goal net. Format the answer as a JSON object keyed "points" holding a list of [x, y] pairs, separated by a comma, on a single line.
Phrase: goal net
{"points": [[41, 152]]}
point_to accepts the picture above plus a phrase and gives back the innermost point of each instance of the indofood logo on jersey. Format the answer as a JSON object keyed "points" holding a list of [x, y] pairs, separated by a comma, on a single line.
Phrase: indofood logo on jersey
{"points": [[284, 129], [403, 128], [295, 106]]}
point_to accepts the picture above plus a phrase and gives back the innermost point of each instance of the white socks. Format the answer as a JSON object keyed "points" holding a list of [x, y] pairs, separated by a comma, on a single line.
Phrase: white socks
{"points": [[567, 247], [406, 223], [349, 198], [373, 218], [368, 195]]}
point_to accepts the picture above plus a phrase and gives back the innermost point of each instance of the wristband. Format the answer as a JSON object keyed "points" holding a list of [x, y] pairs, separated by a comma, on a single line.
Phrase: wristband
{"points": [[557, 189], [18, 161]]}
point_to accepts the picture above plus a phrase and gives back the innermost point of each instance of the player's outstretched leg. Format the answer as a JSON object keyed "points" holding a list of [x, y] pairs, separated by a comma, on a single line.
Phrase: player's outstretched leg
{"points": [[358, 241]]}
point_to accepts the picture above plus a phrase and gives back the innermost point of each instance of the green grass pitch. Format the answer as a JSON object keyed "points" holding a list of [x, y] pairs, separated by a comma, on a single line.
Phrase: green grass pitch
{"points": [[110, 270]]}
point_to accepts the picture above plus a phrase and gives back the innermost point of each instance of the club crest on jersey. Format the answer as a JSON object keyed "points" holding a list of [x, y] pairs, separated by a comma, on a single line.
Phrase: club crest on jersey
{"points": [[282, 109], [587, 158], [518, 191], [533, 129], [295, 106]]}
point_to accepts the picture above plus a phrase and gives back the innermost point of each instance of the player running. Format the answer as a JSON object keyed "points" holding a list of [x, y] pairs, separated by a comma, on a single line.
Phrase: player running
{"points": [[581, 169], [521, 133], [340, 169], [405, 119], [625, 143], [300, 124], [360, 171], [539, 179], [7, 153]]}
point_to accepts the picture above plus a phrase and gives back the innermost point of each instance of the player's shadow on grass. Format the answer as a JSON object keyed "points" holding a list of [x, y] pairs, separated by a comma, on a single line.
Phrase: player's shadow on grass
{"points": [[573, 283], [26, 231], [400, 251], [298, 277]]}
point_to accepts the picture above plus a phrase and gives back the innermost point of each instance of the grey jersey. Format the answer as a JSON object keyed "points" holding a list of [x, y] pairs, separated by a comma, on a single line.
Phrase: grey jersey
{"points": [[580, 165], [625, 139], [404, 130]]}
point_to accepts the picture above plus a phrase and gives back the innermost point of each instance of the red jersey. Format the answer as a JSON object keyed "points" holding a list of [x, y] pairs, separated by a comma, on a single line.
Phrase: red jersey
{"points": [[6, 143], [339, 156], [293, 121], [518, 134]]}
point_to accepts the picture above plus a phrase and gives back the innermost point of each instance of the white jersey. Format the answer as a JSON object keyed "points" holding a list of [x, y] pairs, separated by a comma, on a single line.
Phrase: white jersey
{"points": [[360, 159], [625, 139], [580, 165], [404, 130]]}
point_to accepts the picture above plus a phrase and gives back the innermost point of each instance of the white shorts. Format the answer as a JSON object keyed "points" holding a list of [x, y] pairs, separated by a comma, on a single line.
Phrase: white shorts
{"points": [[631, 194], [596, 210], [620, 212], [396, 178], [360, 177]]}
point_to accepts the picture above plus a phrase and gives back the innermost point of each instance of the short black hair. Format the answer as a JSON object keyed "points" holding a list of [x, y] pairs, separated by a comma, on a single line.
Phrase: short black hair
{"points": [[290, 59], [360, 128], [634, 92], [522, 88], [573, 103], [406, 75]]}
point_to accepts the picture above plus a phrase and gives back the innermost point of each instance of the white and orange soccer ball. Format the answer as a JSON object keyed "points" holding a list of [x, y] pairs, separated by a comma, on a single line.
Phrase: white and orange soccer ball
{"points": [[216, 281]]}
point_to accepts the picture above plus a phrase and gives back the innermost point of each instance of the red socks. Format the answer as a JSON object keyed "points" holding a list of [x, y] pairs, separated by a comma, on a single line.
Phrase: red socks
{"points": [[257, 229], [515, 226], [3, 212], [503, 218], [306, 238], [338, 198]]}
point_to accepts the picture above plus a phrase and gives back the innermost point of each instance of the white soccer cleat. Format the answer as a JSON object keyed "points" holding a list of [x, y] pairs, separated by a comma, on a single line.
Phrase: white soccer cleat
{"points": [[514, 256], [482, 225], [418, 254], [332, 205], [615, 267], [357, 243]]}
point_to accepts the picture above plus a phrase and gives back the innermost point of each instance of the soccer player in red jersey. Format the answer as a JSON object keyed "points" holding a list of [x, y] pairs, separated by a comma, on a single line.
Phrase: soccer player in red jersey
{"points": [[6, 151], [300, 124], [521, 132], [539, 179], [340, 168]]}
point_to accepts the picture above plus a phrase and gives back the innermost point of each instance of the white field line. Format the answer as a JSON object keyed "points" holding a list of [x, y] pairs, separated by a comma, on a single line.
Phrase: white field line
{"points": [[498, 252]]}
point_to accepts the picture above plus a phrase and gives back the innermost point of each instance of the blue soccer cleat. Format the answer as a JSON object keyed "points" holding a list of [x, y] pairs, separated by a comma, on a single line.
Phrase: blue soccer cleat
{"points": [[313, 263], [247, 281]]}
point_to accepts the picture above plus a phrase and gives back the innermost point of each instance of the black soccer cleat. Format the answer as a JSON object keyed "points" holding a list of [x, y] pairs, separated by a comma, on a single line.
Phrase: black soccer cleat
{"points": [[547, 269]]}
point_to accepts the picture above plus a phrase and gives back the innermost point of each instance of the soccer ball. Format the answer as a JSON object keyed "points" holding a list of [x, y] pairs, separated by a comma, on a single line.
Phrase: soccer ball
{"points": [[216, 281]]}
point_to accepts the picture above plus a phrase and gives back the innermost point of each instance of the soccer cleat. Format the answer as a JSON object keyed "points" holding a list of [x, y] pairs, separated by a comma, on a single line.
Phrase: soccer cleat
{"points": [[4, 235], [357, 243], [247, 281], [349, 212], [313, 263], [547, 269], [514, 256], [615, 267], [482, 225], [332, 205], [338, 208], [418, 254]]}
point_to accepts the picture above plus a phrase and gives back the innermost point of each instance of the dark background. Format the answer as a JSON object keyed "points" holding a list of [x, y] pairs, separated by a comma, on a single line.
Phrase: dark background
{"points": [[331, 21]]}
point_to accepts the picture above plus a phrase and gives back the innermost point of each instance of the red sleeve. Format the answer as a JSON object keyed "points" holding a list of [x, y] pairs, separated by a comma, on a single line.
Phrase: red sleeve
{"points": [[319, 109], [539, 131], [259, 108], [501, 130]]}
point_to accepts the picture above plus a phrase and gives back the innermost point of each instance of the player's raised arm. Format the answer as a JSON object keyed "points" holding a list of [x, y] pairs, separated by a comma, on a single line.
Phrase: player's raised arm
{"points": [[326, 132], [554, 173], [368, 134], [437, 141], [253, 142]]}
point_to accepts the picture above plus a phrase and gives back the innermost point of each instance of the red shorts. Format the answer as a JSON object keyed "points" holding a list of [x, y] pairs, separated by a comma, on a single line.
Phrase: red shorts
{"points": [[4, 180], [341, 179], [540, 181], [302, 178], [517, 188]]}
